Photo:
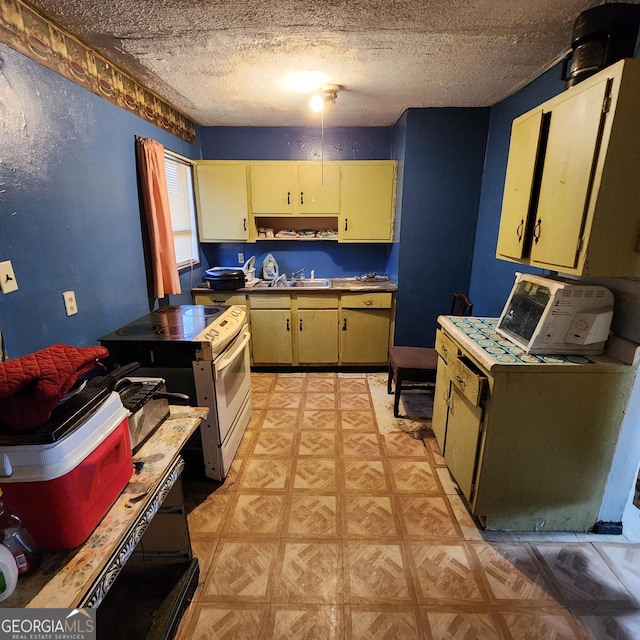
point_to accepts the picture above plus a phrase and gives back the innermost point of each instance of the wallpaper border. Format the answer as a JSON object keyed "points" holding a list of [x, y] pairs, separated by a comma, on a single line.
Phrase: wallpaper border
{"points": [[31, 34]]}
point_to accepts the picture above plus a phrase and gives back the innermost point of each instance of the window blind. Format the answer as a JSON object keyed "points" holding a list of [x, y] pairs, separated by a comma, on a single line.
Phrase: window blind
{"points": [[179, 176]]}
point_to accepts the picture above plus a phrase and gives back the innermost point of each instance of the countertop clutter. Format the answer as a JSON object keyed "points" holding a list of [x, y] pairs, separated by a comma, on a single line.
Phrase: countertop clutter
{"points": [[336, 284], [81, 577]]}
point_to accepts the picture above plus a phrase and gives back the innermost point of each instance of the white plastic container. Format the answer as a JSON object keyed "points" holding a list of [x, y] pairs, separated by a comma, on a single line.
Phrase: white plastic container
{"points": [[8, 573]]}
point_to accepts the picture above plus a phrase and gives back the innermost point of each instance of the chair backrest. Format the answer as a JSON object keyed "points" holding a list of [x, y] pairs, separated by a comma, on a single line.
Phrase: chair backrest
{"points": [[460, 305]]}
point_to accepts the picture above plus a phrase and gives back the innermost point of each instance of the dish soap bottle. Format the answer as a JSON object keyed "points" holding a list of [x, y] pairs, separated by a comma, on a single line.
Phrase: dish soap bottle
{"points": [[8, 573], [269, 268], [17, 539]]}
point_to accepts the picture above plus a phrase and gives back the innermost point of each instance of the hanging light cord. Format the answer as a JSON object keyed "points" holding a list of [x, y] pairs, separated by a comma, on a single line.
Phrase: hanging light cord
{"points": [[322, 148]]}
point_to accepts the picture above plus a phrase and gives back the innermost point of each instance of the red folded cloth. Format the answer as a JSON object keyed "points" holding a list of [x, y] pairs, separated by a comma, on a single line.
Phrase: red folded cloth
{"points": [[32, 386]]}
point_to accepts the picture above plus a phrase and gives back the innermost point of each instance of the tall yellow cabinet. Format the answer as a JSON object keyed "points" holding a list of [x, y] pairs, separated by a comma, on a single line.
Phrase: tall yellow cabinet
{"points": [[571, 188], [530, 445]]}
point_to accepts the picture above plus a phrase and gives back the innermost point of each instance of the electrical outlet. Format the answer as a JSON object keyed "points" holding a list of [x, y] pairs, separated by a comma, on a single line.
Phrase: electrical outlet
{"points": [[70, 302], [8, 282], [240, 258]]}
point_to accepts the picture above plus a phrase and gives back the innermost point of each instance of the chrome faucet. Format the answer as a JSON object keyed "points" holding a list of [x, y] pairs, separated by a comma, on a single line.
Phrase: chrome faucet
{"points": [[280, 281], [298, 272]]}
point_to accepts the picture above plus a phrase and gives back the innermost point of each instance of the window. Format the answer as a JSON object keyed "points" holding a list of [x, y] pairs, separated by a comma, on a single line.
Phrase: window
{"points": [[179, 176]]}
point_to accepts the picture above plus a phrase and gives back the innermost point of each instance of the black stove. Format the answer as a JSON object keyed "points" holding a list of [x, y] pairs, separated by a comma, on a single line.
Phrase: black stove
{"points": [[176, 323], [162, 338]]}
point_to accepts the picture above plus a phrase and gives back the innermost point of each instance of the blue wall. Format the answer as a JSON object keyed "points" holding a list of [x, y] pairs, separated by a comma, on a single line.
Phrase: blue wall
{"points": [[440, 153], [69, 211], [71, 216], [296, 143], [443, 158], [327, 258], [492, 279]]}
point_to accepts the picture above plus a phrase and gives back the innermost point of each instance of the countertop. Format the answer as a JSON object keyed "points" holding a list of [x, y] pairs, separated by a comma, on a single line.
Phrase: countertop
{"points": [[337, 284], [620, 353], [81, 577]]}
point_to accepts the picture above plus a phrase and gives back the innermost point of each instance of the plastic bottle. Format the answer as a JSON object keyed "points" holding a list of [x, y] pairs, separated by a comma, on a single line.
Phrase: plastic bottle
{"points": [[269, 268], [8, 573], [18, 540]]}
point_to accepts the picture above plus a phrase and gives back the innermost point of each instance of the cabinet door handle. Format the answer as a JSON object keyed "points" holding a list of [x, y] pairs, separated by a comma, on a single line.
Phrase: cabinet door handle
{"points": [[344, 324], [346, 224], [519, 230], [368, 302], [288, 327], [288, 197], [537, 229], [302, 197], [300, 324], [244, 224], [460, 380]]}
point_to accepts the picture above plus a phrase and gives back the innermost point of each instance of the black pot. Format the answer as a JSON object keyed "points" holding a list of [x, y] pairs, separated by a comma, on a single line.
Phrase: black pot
{"points": [[225, 279], [601, 36]]}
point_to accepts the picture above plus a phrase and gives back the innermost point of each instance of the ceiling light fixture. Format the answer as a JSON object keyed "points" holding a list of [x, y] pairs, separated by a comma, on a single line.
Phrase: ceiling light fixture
{"points": [[329, 94]]}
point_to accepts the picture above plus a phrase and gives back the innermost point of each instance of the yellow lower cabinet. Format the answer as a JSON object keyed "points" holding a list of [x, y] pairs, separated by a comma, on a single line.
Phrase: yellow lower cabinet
{"points": [[220, 297], [365, 336], [317, 331], [271, 336], [441, 397], [463, 436]]}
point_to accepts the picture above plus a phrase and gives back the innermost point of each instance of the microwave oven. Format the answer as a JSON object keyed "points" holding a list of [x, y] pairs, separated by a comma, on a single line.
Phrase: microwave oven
{"points": [[553, 315]]}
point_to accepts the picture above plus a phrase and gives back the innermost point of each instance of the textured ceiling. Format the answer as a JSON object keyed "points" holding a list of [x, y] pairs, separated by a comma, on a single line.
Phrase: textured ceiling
{"points": [[227, 62]]}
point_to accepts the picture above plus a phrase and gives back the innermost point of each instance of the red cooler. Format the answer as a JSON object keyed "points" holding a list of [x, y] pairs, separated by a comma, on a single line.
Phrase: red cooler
{"points": [[61, 490]]}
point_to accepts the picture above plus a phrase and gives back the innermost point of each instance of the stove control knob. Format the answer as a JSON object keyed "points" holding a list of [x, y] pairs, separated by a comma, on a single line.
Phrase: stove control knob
{"points": [[211, 334]]}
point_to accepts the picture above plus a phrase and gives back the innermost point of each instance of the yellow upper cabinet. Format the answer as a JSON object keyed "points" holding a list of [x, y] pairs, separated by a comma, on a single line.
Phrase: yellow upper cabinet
{"points": [[367, 201], [273, 188], [319, 188], [223, 211], [305, 188], [518, 187], [571, 192]]}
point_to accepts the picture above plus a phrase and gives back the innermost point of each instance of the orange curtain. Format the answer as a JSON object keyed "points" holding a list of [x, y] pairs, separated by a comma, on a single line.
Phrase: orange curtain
{"points": [[155, 199]]}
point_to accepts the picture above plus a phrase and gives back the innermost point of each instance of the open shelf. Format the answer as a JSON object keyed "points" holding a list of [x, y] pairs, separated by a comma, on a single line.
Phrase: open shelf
{"points": [[295, 223]]}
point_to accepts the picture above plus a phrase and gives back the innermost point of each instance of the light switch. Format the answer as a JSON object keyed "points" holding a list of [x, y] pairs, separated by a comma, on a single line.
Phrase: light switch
{"points": [[8, 282]]}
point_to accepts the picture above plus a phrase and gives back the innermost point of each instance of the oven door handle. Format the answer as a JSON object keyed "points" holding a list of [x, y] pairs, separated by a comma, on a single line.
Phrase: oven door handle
{"points": [[228, 360]]}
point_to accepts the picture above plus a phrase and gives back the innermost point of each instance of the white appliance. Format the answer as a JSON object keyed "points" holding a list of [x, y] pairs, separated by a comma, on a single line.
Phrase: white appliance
{"points": [[553, 315], [227, 379], [202, 351]]}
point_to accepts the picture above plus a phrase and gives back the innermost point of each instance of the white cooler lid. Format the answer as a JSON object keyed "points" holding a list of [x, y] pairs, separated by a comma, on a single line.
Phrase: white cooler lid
{"points": [[40, 462]]}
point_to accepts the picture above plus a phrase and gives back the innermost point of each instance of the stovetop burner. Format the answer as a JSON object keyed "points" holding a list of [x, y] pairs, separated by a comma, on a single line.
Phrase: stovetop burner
{"points": [[138, 329]]}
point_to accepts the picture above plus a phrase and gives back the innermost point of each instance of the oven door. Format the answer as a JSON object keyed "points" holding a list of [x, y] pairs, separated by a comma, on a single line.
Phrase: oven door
{"points": [[232, 374]]}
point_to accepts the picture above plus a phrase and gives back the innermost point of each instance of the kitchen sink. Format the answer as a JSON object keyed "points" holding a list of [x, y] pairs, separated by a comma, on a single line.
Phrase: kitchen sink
{"points": [[311, 283]]}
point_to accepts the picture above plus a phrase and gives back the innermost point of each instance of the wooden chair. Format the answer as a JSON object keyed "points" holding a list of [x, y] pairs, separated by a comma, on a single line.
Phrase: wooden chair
{"points": [[410, 366]]}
